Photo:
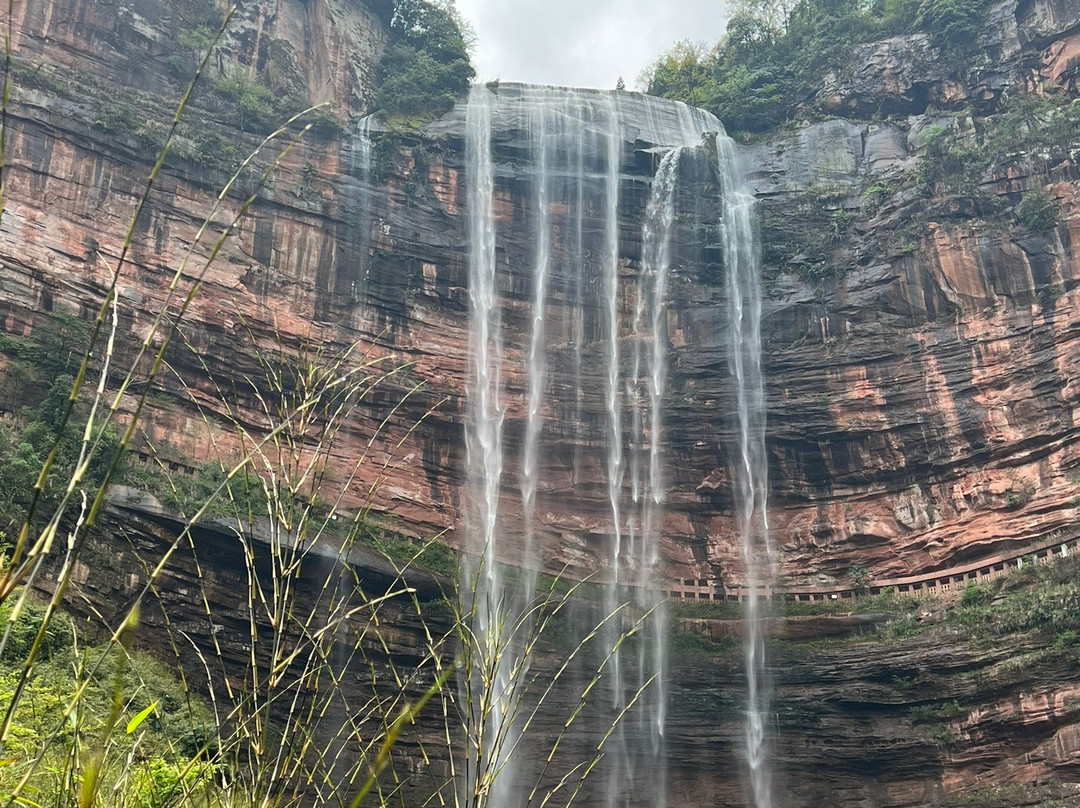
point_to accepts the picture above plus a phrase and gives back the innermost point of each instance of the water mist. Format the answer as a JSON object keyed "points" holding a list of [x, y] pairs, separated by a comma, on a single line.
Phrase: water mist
{"points": [[578, 304]]}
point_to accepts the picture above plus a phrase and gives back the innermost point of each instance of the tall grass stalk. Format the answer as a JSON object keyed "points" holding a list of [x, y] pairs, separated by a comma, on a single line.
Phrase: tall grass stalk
{"points": [[75, 515], [324, 698]]}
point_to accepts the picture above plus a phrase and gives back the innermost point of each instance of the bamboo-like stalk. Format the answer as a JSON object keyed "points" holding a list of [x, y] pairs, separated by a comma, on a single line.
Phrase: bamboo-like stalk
{"points": [[271, 723]]}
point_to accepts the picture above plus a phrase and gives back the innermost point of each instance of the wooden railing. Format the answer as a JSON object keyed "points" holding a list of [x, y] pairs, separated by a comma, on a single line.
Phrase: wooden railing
{"points": [[929, 583]]}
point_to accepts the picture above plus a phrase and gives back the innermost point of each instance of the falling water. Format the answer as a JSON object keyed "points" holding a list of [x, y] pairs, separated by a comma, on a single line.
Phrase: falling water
{"points": [[489, 703], [542, 149], [743, 286], [614, 590], [648, 490], [569, 298], [358, 202]]}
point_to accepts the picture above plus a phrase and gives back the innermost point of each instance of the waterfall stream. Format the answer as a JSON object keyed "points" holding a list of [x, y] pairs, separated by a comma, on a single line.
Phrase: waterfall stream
{"points": [[551, 287], [743, 285]]}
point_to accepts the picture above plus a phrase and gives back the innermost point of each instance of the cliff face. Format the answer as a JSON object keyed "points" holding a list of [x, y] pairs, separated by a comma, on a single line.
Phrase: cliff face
{"points": [[931, 353], [919, 347], [906, 709], [932, 720]]}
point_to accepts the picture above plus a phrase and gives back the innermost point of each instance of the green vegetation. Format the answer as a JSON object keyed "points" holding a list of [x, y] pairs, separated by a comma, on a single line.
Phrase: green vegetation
{"points": [[938, 712], [859, 578], [426, 67], [252, 103], [904, 626], [1043, 598], [775, 54], [21, 630], [804, 236], [431, 555], [947, 164], [954, 161], [187, 493], [155, 713], [1037, 211], [29, 437], [251, 99], [54, 346], [1008, 796], [198, 22], [686, 645]]}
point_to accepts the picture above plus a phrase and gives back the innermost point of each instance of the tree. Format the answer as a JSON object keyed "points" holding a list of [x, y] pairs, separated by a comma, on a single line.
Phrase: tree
{"points": [[770, 14], [684, 73], [435, 28], [774, 54], [426, 67]]}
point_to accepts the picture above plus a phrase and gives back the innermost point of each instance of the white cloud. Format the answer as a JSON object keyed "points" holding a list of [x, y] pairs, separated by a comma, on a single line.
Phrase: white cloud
{"points": [[583, 43]]}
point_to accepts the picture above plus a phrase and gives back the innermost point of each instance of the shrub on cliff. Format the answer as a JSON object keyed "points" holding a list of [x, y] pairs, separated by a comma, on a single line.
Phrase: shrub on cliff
{"points": [[413, 82], [253, 103], [1037, 211], [774, 56], [38, 432], [426, 66]]}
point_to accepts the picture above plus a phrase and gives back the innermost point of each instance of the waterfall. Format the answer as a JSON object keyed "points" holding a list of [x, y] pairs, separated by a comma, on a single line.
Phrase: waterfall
{"points": [[488, 696], [552, 286], [648, 492], [359, 168], [743, 287]]}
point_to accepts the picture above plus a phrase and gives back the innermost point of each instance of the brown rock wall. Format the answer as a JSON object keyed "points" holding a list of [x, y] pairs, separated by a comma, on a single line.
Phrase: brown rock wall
{"points": [[922, 405], [857, 720]]}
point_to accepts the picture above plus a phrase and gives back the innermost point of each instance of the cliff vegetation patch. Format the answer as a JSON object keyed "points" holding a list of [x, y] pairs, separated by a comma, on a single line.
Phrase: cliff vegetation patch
{"points": [[775, 53], [426, 66]]}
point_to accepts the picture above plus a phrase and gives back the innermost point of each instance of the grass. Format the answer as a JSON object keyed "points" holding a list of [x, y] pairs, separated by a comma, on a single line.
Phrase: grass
{"points": [[306, 689]]}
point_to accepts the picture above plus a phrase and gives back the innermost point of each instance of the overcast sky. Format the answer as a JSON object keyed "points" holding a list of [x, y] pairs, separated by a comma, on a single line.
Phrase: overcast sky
{"points": [[583, 43]]}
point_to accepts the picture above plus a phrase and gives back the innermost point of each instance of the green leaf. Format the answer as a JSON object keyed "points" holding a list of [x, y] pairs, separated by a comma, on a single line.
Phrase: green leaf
{"points": [[134, 723]]}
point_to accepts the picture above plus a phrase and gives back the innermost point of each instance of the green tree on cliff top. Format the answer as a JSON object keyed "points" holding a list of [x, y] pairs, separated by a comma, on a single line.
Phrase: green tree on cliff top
{"points": [[426, 67], [774, 54]]}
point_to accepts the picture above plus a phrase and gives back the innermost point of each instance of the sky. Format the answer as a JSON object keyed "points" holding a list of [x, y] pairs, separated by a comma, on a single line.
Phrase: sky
{"points": [[583, 43]]}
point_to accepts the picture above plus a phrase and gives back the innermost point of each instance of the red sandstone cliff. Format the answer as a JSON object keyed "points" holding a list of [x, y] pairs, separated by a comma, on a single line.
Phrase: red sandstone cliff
{"points": [[921, 349], [920, 362]]}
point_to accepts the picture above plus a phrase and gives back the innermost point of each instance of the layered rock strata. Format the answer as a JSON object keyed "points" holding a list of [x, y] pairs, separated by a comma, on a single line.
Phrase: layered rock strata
{"points": [[892, 710], [919, 350]]}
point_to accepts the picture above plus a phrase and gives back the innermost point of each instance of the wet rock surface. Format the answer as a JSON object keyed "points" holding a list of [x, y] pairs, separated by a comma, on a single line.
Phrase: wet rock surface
{"points": [[923, 721], [920, 355]]}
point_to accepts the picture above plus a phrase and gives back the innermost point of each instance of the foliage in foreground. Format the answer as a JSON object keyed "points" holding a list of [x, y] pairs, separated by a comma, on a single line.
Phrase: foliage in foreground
{"points": [[155, 741]]}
